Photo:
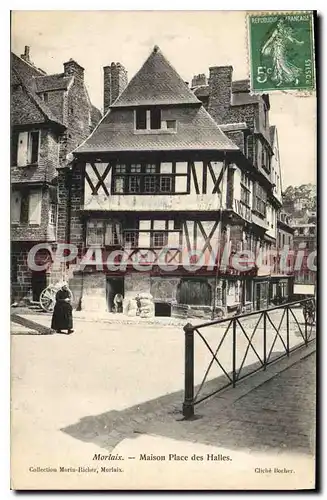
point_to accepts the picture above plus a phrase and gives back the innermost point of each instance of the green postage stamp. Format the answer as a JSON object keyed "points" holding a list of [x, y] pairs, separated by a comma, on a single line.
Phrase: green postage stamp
{"points": [[281, 51]]}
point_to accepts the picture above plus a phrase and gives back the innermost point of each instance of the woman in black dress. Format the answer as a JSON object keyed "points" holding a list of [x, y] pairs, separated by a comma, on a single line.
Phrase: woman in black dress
{"points": [[62, 318]]}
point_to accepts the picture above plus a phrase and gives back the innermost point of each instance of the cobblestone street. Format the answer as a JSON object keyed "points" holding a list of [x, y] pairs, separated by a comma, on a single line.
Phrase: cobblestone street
{"points": [[116, 388]]}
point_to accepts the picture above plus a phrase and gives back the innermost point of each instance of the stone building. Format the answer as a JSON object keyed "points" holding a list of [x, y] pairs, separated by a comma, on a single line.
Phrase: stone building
{"points": [[50, 116], [175, 172], [245, 119]]}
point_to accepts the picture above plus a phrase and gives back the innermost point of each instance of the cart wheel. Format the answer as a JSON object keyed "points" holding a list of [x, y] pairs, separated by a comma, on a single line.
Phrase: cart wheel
{"points": [[48, 299]]}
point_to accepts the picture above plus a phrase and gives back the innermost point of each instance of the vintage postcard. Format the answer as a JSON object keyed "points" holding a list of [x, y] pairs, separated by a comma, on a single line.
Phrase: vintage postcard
{"points": [[163, 250]]}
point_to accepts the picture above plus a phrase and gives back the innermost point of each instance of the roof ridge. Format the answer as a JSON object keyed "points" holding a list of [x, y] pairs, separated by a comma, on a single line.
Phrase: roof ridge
{"points": [[62, 75], [156, 82]]}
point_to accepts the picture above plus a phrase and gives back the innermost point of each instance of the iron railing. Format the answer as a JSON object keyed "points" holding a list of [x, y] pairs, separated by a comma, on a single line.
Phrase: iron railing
{"points": [[296, 327]]}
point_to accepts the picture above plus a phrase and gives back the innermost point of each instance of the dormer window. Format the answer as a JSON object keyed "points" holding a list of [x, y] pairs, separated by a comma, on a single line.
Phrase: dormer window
{"points": [[148, 119], [140, 122]]}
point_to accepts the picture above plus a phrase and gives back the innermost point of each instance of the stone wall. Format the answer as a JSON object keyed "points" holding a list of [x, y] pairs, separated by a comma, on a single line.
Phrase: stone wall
{"points": [[94, 292]]}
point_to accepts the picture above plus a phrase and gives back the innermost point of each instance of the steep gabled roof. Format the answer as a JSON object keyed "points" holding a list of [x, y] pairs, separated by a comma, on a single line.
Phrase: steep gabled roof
{"points": [[156, 83], [33, 109]]}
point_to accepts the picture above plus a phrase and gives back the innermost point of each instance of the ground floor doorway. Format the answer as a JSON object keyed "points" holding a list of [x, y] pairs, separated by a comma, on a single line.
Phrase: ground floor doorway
{"points": [[114, 286], [39, 283], [162, 309]]}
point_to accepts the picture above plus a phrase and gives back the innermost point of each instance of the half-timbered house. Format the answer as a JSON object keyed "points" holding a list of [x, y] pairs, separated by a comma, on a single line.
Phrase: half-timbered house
{"points": [[161, 182]]}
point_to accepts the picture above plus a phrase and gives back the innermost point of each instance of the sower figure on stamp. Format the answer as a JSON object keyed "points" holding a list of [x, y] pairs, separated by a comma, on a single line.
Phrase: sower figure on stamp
{"points": [[62, 318], [277, 48]]}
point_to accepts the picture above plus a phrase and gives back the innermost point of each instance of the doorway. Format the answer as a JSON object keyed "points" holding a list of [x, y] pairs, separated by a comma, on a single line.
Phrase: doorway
{"points": [[162, 309], [39, 283], [113, 286]]}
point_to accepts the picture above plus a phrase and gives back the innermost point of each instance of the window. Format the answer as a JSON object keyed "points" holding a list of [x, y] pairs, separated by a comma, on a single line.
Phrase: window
{"points": [[148, 119], [150, 184], [113, 234], [245, 190], [147, 178], [101, 232], [159, 239], [265, 115], [14, 268], [95, 233], [131, 239], [265, 159], [45, 96], [155, 119], [25, 148], [134, 184], [140, 122], [171, 124], [260, 200], [53, 214], [165, 184], [26, 206]]}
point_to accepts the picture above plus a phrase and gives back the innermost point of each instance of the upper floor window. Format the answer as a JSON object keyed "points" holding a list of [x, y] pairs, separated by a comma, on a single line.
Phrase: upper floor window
{"points": [[25, 148], [260, 200], [26, 206], [100, 232], [265, 159], [53, 214], [148, 119], [265, 116], [145, 178], [151, 119], [245, 190]]}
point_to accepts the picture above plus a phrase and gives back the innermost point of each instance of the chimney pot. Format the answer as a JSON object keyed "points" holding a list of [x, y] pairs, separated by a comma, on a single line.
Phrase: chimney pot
{"points": [[26, 55], [72, 68]]}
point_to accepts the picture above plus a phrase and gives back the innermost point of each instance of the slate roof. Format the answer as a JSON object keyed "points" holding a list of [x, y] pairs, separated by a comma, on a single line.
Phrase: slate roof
{"points": [[157, 82], [52, 82], [198, 131], [31, 110]]}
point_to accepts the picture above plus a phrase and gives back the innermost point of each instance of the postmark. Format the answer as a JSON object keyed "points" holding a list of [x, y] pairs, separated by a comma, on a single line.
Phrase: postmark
{"points": [[281, 51]]}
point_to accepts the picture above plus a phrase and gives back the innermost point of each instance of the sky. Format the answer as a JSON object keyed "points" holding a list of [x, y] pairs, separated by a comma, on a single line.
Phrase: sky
{"points": [[191, 40]]}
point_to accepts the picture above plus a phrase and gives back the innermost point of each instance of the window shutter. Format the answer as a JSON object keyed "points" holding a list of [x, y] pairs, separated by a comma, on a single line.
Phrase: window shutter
{"points": [[22, 149], [34, 213], [15, 206]]}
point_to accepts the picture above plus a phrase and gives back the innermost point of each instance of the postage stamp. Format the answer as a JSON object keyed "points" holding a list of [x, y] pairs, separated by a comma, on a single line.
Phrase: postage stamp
{"points": [[281, 51]]}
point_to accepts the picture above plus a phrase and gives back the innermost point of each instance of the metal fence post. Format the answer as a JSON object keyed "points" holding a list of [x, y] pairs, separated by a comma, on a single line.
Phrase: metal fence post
{"points": [[188, 405], [306, 327], [234, 352], [288, 330], [264, 340]]}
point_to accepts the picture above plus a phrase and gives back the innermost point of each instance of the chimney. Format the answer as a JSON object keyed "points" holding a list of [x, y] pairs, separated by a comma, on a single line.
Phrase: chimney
{"points": [[72, 68], [114, 82], [199, 80], [26, 55], [220, 90]]}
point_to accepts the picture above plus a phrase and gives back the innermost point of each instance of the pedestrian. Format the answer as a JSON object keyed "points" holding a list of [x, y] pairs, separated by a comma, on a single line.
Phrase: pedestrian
{"points": [[62, 318], [118, 303]]}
